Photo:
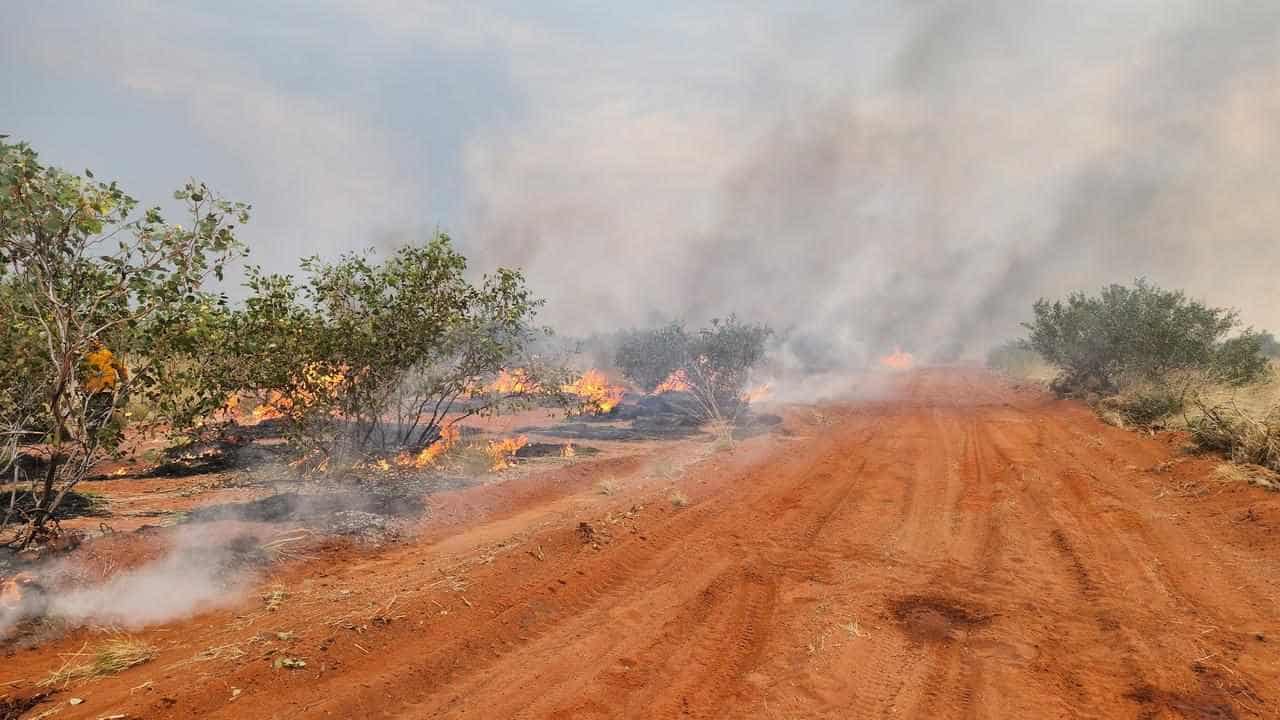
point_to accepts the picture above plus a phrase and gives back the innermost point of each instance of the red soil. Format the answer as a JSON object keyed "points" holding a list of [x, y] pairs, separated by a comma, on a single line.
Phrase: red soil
{"points": [[963, 548]]}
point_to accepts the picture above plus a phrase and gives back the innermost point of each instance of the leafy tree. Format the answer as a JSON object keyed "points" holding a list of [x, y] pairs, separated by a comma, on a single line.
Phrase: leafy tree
{"points": [[712, 366], [648, 357], [83, 276], [366, 355], [1141, 333]]}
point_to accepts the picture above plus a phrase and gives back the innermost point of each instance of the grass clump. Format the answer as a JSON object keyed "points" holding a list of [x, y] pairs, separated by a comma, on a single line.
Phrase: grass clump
{"points": [[679, 499], [1241, 435], [110, 658]]}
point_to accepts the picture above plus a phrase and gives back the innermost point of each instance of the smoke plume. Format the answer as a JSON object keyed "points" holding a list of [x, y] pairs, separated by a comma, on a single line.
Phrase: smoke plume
{"points": [[915, 174]]}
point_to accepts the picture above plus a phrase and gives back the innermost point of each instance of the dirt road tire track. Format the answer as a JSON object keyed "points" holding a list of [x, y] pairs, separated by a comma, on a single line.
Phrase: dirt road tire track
{"points": [[957, 548]]}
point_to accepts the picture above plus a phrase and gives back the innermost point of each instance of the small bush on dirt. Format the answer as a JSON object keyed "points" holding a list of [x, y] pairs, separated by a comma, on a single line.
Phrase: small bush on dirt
{"points": [[712, 366], [1143, 333], [110, 658]]}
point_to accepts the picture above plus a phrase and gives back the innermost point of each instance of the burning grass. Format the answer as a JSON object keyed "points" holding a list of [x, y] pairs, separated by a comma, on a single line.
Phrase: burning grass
{"points": [[598, 396], [112, 657], [502, 452], [898, 360]]}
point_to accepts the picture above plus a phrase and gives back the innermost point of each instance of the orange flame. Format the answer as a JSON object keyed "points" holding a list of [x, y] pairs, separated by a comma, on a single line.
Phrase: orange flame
{"points": [[104, 372], [675, 382], [598, 395], [320, 384], [514, 382], [756, 394], [567, 451], [501, 452], [898, 360], [11, 590], [431, 453]]}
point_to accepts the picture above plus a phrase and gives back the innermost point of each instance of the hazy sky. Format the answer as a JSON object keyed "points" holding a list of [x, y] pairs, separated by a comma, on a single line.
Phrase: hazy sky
{"points": [[869, 173]]}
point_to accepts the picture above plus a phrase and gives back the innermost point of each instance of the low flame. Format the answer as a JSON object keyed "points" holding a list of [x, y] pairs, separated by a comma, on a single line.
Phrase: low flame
{"points": [[501, 452], [567, 451], [597, 394], [675, 382], [11, 590], [757, 393], [898, 360], [514, 382], [431, 453]]}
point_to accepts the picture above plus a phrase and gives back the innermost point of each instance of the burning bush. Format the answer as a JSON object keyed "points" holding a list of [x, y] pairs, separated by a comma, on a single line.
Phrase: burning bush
{"points": [[384, 357], [711, 367], [83, 281]]}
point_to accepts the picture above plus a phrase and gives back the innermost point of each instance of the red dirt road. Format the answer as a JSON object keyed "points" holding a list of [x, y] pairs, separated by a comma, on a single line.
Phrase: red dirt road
{"points": [[958, 549]]}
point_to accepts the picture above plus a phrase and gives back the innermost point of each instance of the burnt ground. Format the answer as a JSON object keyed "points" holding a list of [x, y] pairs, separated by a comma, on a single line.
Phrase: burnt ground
{"points": [[959, 548]]}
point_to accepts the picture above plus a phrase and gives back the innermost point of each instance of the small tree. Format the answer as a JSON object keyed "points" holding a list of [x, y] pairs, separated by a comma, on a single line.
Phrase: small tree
{"points": [[713, 365], [648, 357], [1141, 333], [380, 356], [82, 276]]}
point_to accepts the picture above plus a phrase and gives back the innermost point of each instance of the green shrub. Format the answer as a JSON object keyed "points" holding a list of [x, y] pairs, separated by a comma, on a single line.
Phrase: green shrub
{"points": [[1142, 332], [648, 357], [375, 355], [712, 365]]}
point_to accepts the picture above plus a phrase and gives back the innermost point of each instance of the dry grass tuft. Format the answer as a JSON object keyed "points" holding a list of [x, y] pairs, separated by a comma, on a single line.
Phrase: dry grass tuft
{"points": [[608, 486], [679, 499], [230, 652], [1242, 435], [274, 599], [1234, 473], [111, 657], [1229, 473]]}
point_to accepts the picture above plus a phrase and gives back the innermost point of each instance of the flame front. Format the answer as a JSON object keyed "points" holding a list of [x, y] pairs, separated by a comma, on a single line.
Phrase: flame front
{"points": [[596, 392], [501, 452], [431, 453], [514, 382], [675, 382], [898, 360]]}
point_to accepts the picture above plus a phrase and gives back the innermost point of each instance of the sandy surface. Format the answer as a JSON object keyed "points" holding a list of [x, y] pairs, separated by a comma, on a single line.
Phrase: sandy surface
{"points": [[959, 548]]}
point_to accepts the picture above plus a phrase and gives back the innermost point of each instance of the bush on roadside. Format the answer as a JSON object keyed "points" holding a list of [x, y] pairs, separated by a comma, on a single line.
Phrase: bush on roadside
{"points": [[1143, 334]]}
